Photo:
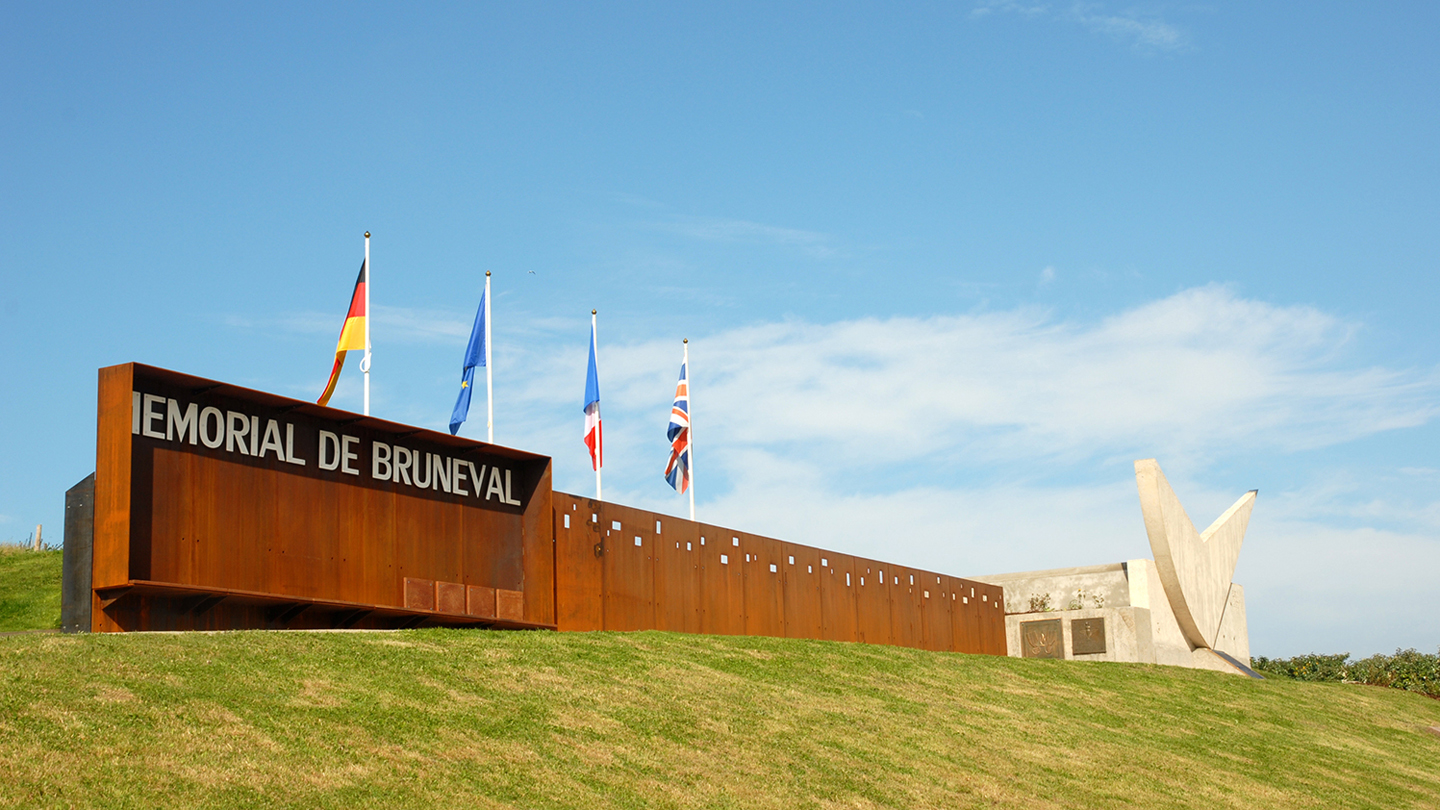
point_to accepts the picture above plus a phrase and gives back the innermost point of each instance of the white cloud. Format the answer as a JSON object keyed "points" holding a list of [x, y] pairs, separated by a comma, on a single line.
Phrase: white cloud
{"points": [[1145, 32], [1184, 376]]}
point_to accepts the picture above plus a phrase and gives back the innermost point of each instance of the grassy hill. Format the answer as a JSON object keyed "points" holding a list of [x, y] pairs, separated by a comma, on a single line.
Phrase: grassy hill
{"points": [[29, 589], [454, 718]]}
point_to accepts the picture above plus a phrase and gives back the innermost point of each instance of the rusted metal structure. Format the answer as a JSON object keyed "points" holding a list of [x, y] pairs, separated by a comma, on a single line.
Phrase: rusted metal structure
{"points": [[219, 507]]}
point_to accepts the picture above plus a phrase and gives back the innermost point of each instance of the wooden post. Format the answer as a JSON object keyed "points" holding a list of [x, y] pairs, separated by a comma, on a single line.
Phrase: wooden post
{"points": [[37, 536]]}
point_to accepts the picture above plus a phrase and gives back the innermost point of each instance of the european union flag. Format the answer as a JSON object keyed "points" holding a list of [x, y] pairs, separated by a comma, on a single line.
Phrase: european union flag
{"points": [[474, 356]]}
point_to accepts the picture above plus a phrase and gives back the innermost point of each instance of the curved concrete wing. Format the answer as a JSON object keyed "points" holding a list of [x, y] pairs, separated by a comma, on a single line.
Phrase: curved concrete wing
{"points": [[1194, 567]]}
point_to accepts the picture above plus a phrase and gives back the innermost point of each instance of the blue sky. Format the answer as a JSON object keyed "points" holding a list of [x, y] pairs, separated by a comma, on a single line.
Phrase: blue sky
{"points": [[947, 269]]}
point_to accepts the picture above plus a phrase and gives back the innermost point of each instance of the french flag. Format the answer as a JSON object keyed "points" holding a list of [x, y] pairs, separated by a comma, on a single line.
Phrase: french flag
{"points": [[592, 408]]}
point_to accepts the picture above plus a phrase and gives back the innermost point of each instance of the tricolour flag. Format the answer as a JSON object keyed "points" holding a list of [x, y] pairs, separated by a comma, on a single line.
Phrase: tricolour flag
{"points": [[593, 439], [352, 334], [677, 471], [474, 356]]}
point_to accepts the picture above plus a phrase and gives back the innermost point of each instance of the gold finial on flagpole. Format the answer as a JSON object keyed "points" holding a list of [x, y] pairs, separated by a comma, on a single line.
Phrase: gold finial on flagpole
{"points": [[367, 234], [592, 312], [487, 273]]}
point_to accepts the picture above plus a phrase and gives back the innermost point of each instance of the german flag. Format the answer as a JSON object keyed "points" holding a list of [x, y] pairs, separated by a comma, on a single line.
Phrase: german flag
{"points": [[352, 334]]}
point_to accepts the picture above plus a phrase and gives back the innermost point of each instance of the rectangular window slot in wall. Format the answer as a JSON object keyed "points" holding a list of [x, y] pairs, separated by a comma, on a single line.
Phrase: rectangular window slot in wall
{"points": [[677, 545], [792, 560], [567, 520], [687, 546], [972, 592], [927, 594], [847, 579], [637, 539], [862, 579], [965, 601], [772, 568], [615, 524], [657, 527], [984, 597], [897, 580], [809, 569], [912, 579], [724, 560], [594, 518], [735, 541], [702, 540], [824, 563], [747, 558]]}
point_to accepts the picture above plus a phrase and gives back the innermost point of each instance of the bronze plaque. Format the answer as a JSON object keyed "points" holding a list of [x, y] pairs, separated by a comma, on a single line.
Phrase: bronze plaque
{"points": [[1087, 636], [1041, 639]]}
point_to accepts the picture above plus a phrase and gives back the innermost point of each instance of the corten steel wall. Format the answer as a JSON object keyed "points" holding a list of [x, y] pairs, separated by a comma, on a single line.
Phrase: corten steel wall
{"points": [[192, 537], [619, 568]]}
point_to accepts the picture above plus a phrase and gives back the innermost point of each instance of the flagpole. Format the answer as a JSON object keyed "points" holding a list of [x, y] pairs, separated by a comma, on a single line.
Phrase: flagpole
{"points": [[600, 437], [690, 395], [367, 323], [489, 380]]}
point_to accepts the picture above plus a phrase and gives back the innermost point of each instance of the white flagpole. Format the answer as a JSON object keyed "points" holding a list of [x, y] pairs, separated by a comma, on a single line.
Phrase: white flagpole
{"points": [[690, 396], [600, 436], [489, 380], [367, 323]]}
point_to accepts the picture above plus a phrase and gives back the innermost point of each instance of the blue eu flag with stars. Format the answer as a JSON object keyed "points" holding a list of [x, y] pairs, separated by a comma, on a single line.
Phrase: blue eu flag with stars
{"points": [[474, 356]]}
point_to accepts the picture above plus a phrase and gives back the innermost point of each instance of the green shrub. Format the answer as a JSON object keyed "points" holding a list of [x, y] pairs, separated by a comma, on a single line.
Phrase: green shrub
{"points": [[1410, 670]]}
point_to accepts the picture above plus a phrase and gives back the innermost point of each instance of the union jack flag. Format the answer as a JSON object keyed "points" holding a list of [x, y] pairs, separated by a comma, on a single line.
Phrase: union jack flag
{"points": [[677, 472]]}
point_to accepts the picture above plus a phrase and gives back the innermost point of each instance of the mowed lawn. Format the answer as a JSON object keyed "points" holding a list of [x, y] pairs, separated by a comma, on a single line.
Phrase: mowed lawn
{"points": [[457, 718], [29, 589]]}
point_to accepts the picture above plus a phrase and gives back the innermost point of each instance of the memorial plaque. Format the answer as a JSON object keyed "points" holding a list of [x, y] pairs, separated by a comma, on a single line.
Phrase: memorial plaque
{"points": [[1041, 639], [1087, 636]]}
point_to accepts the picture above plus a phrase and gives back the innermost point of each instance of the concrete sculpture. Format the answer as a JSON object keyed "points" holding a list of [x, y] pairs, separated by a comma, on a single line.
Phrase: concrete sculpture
{"points": [[1180, 608]]}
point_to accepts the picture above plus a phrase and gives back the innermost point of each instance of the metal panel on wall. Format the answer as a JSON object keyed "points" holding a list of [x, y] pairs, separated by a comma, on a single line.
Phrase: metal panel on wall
{"points": [[226, 508], [722, 582]]}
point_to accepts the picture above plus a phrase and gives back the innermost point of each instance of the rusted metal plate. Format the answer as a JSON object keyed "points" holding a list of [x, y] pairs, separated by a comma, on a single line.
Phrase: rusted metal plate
{"points": [[419, 593], [872, 602], [722, 582], [1041, 639], [480, 601], [509, 605], [837, 597], [450, 597], [1087, 636], [579, 569], [764, 588], [677, 573], [801, 590], [629, 568]]}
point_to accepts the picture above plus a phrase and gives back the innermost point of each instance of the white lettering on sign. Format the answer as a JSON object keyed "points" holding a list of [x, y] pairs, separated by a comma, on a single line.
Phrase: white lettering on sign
{"points": [[157, 417]]}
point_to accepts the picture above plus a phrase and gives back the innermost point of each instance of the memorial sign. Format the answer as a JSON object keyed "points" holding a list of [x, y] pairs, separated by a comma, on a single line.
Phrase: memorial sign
{"points": [[1087, 636], [1041, 639]]}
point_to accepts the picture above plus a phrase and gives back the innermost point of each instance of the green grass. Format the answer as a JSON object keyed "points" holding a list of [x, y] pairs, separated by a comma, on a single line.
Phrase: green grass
{"points": [[29, 589], [455, 718]]}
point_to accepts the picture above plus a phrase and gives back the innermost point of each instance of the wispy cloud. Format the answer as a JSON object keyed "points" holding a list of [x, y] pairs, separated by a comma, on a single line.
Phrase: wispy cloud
{"points": [[405, 324], [716, 229], [1145, 32]]}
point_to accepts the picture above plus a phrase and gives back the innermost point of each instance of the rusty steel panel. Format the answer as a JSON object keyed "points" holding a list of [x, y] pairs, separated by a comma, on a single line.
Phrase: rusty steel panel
{"points": [[872, 602], [677, 573], [480, 601], [629, 567], [722, 582], [764, 586], [934, 611], [509, 605], [966, 618], [837, 597], [419, 594], [450, 597], [205, 487], [579, 570], [801, 579], [904, 610]]}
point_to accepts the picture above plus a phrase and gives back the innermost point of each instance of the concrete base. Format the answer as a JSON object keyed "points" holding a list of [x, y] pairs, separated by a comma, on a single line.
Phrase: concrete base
{"points": [[1140, 626]]}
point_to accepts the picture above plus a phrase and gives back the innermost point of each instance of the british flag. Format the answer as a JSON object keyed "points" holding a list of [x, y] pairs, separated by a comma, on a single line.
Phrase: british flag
{"points": [[677, 471]]}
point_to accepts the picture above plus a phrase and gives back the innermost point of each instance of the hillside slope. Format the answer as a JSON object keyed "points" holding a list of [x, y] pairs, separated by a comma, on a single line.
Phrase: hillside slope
{"points": [[29, 589], [456, 718]]}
